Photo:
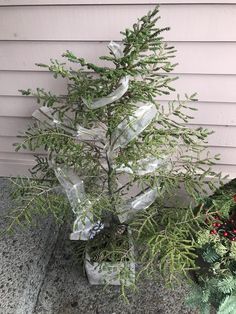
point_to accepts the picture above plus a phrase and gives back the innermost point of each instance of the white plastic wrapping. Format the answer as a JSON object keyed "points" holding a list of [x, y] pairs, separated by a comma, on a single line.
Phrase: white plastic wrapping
{"points": [[95, 134], [144, 166], [74, 187], [116, 49], [132, 126], [119, 91], [108, 272], [136, 204], [46, 115], [84, 227], [112, 97]]}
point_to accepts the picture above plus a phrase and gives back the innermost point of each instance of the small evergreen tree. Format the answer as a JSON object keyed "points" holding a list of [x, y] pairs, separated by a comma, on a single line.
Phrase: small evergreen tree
{"points": [[119, 153]]}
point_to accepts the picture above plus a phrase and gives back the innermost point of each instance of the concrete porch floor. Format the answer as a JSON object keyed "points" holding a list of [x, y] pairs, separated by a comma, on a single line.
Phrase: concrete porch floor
{"points": [[39, 274]]}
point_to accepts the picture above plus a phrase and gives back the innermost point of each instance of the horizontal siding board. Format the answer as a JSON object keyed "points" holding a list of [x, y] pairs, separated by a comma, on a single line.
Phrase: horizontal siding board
{"points": [[207, 113], [102, 2], [73, 22], [17, 106], [7, 144], [211, 88], [12, 126], [206, 57], [11, 82], [35, 31], [192, 57], [223, 136], [22, 56], [214, 114], [14, 169], [15, 165], [228, 155], [215, 88], [18, 158], [226, 170]]}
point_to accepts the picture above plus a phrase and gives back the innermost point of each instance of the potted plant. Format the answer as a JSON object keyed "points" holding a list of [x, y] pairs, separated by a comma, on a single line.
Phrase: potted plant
{"points": [[118, 153]]}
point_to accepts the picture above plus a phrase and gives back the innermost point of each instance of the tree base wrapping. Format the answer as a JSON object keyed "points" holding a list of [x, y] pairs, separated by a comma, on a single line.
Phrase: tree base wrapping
{"points": [[109, 273]]}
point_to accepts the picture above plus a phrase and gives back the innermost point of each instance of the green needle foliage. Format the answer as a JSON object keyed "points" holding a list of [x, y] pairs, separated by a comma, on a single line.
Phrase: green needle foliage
{"points": [[165, 237], [34, 198], [216, 276], [228, 306]]}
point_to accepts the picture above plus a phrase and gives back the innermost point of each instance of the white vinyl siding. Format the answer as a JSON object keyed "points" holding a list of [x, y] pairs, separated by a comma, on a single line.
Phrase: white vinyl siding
{"points": [[203, 32]]}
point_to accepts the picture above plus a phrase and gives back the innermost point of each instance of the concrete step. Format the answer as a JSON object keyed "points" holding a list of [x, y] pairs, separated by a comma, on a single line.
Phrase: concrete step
{"points": [[23, 259], [41, 274], [66, 290]]}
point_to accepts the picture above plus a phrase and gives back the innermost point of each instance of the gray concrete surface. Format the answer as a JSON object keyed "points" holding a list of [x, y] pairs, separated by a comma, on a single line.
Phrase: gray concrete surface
{"points": [[66, 291], [23, 258], [40, 274]]}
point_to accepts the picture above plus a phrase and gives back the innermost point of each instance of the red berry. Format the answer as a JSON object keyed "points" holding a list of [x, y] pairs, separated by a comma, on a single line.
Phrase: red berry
{"points": [[214, 224], [213, 231], [234, 231], [225, 234], [234, 197], [233, 239], [218, 225]]}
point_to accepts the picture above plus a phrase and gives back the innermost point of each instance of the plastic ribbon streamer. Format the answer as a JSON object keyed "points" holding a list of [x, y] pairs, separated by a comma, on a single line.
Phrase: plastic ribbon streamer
{"points": [[48, 116], [84, 227], [95, 134], [116, 49], [132, 126], [122, 88], [143, 166], [136, 204]]}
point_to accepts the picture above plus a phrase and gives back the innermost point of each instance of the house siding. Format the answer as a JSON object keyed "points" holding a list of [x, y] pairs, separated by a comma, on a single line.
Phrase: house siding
{"points": [[203, 32]]}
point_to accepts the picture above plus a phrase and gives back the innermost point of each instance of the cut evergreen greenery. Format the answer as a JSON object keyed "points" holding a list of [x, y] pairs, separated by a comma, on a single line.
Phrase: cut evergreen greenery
{"points": [[125, 144], [216, 277]]}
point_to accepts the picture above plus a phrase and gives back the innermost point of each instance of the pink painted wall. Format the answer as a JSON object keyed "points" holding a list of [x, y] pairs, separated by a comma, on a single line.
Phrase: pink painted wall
{"points": [[204, 33]]}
